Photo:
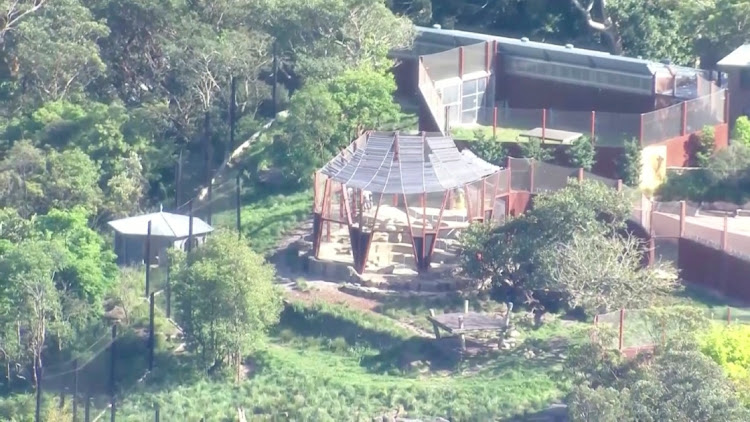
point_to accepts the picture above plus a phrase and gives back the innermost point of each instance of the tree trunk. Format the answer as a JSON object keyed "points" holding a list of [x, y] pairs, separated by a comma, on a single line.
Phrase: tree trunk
{"points": [[606, 27]]}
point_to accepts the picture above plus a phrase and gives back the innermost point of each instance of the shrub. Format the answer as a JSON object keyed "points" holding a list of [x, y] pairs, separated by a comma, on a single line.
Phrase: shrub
{"points": [[630, 164], [489, 149], [729, 346], [706, 146], [534, 149], [741, 132], [582, 153]]}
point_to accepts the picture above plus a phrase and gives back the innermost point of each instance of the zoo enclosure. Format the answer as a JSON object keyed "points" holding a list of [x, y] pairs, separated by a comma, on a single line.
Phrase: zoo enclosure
{"points": [[641, 330], [458, 87]]}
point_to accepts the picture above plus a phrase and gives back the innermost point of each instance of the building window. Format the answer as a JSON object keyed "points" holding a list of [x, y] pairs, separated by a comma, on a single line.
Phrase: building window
{"points": [[745, 79], [472, 99]]}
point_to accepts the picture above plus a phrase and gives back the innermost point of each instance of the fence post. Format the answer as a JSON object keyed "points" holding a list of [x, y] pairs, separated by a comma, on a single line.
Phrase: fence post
{"points": [[237, 191], [112, 349], [38, 374], [729, 314], [168, 292], [75, 390], [726, 106], [724, 255], [544, 123], [683, 131], [640, 131], [621, 333], [531, 175], [580, 174], [619, 185], [494, 122], [593, 125], [151, 336], [683, 211], [510, 186], [147, 258], [87, 409]]}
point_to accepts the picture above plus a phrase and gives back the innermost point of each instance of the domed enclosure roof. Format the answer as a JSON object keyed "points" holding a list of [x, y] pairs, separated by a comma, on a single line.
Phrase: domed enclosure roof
{"points": [[396, 163]]}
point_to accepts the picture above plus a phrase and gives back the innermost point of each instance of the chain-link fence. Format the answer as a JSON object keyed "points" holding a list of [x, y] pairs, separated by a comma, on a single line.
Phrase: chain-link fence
{"points": [[643, 329]]}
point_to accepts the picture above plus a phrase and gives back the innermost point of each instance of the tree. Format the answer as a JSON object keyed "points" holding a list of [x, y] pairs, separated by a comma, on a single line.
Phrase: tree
{"points": [[599, 273], [718, 27], [324, 117], [582, 153], [630, 163], [31, 299], [513, 256], [225, 299], [89, 267], [56, 50], [605, 26], [35, 182], [319, 39]]}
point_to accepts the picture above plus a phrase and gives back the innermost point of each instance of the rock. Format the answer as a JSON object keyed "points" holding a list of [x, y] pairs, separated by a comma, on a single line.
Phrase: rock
{"points": [[514, 334], [529, 354], [354, 276], [387, 270]]}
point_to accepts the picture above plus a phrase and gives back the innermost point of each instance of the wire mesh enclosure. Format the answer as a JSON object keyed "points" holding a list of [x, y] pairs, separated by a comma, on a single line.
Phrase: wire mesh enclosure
{"points": [[399, 199]]}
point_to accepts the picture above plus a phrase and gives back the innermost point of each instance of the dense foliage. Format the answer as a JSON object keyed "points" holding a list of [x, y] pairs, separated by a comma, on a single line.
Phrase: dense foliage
{"points": [[225, 299], [568, 251], [725, 177]]}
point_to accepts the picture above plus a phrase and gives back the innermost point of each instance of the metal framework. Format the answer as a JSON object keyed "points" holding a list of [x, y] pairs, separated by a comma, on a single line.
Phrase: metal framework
{"points": [[409, 171]]}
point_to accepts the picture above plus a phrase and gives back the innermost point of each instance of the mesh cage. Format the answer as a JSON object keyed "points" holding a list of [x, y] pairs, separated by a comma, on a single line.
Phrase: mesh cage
{"points": [[614, 129], [701, 112], [503, 179], [474, 197], [665, 224], [572, 121], [612, 183], [475, 57], [706, 230], [443, 65], [519, 118], [520, 177], [662, 124], [550, 177], [738, 238], [667, 249]]}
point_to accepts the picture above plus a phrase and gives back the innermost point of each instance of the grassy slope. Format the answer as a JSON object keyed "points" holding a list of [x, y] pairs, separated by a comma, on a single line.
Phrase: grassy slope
{"points": [[332, 363]]}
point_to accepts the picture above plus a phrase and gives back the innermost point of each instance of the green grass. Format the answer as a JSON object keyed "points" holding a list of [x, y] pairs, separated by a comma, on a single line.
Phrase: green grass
{"points": [[266, 219], [332, 363], [501, 134]]}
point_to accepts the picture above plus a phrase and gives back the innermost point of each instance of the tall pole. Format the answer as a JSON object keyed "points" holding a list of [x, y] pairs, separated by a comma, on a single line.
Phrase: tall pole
{"points": [[208, 157], [238, 189], [178, 182], [147, 258], [112, 348], [87, 409], [190, 229], [275, 77], [232, 115], [168, 291], [38, 374], [75, 390], [151, 342]]}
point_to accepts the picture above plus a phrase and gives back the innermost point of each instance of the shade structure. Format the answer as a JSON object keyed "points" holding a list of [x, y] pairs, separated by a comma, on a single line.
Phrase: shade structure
{"points": [[398, 163], [163, 224]]}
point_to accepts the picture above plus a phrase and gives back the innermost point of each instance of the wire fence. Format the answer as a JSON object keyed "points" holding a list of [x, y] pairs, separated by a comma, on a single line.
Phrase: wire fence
{"points": [[705, 105], [643, 329]]}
